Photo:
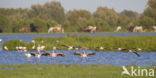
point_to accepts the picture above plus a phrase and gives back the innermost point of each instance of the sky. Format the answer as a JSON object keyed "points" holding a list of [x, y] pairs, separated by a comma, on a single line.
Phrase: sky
{"points": [[91, 5]]}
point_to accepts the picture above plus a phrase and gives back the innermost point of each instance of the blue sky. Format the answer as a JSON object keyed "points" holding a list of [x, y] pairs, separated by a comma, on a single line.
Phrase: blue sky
{"points": [[91, 5]]}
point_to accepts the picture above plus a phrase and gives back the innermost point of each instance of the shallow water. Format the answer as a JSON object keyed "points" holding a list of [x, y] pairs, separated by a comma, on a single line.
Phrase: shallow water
{"points": [[106, 58]]}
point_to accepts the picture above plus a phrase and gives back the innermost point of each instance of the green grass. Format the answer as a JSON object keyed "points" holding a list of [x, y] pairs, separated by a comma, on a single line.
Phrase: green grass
{"points": [[147, 43], [69, 32], [65, 71]]}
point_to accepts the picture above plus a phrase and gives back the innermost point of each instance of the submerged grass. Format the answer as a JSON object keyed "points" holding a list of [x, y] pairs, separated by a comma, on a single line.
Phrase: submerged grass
{"points": [[66, 71], [147, 43]]}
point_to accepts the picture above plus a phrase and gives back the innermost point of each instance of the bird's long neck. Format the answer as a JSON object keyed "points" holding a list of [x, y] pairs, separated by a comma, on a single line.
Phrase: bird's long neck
{"points": [[84, 52], [53, 51], [38, 51], [76, 49], [34, 43]]}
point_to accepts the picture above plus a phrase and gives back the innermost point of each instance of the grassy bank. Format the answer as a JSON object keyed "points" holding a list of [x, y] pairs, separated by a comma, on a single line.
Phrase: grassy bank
{"points": [[147, 43], [65, 71]]}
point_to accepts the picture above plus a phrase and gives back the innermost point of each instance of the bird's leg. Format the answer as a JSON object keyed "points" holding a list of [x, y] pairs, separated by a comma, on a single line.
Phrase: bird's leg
{"points": [[38, 61], [28, 60], [53, 61], [49, 61], [84, 60]]}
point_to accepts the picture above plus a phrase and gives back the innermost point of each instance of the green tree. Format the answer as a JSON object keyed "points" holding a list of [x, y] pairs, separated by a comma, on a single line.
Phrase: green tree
{"points": [[150, 11], [79, 18], [55, 10], [50, 10], [145, 21], [129, 13], [20, 23], [123, 20], [5, 24], [107, 15], [41, 24]]}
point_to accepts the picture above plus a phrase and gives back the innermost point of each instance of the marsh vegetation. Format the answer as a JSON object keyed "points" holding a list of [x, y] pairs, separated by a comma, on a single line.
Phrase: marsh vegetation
{"points": [[147, 43]]}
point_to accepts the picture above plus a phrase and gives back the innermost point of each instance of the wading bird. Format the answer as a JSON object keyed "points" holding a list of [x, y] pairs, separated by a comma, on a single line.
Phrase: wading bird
{"points": [[17, 48], [84, 55], [5, 48], [37, 56], [53, 55], [100, 48], [76, 49], [33, 47], [137, 49], [0, 40], [24, 49], [21, 49], [28, 55], [121, 49], [84, 48], [68, 47], [134, 53]]}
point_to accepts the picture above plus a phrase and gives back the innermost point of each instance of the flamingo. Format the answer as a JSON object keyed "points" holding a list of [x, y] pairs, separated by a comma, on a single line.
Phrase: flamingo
{"points": [[42, 48], [38, 49], [5, 48], [138, 49], [37, 56], [76, 49], [57, 41], [33, 41], [42, 41], [69, 47], [120, 49], [24, 49], [53, 55], [101, 48], [84, 55], [33, 47], [28, 55], [20, 48], [17, 48], [0, 40], [134, 53]]}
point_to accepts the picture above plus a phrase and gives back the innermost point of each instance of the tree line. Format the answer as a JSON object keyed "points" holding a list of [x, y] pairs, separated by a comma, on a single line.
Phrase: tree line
{"points": [[52, 14]]}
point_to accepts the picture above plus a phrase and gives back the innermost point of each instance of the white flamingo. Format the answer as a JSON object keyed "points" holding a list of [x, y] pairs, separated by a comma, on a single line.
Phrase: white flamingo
{"points": [[84, 55], [53, 54], [37, 56], [5, 48], [33, 47], [28, 55], [24, 49], [68, 47], [134, 53], [0, 40]]}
